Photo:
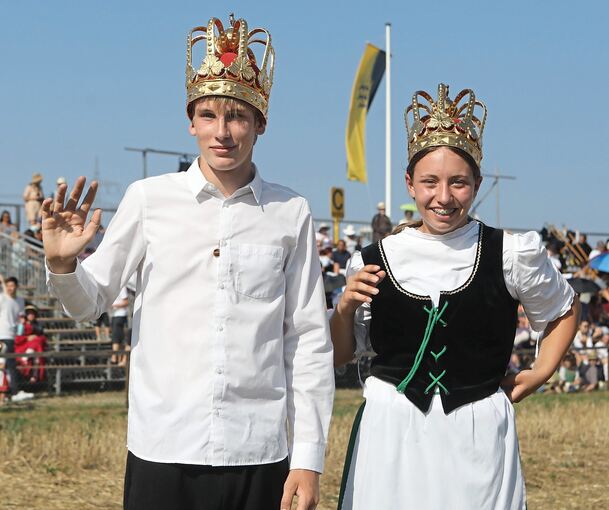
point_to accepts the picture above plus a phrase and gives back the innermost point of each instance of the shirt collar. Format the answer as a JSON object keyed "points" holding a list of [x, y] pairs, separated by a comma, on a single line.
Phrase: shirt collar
{"points": [[197, 183]]}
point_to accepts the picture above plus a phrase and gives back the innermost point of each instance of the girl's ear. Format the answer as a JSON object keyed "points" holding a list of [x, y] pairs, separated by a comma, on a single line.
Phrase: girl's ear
{"points": [[410, 185]]}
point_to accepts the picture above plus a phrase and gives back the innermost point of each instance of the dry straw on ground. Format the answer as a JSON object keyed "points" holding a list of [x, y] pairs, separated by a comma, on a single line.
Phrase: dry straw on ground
{"points": [[69, 452]]}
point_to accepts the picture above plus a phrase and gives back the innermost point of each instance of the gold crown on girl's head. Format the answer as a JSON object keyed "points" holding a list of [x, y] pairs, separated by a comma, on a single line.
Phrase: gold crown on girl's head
{"points": [[445, 122], [230, 67]]}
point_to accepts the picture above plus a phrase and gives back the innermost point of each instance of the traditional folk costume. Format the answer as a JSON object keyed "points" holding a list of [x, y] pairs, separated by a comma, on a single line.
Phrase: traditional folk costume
{"points": [[436, 431]]}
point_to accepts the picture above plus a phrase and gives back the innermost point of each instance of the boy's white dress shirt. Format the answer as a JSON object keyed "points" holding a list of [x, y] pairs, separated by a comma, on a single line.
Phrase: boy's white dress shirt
{"points": [[231, 360]]}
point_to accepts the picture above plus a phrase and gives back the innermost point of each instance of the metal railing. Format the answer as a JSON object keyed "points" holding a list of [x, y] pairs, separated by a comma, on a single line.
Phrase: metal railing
{"points": [[23, 258]]}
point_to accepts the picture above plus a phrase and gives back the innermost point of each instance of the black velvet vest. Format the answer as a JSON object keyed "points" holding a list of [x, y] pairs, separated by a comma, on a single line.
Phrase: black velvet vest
{"points": [[465, 352]]}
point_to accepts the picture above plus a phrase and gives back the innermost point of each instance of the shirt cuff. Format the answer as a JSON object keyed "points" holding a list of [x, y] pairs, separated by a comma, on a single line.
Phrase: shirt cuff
{"points": [[70, 289], [308, 456], [62, 281]]}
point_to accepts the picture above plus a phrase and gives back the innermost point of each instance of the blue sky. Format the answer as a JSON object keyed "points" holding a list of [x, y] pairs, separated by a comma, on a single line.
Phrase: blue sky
{"points": [[82, 80]]}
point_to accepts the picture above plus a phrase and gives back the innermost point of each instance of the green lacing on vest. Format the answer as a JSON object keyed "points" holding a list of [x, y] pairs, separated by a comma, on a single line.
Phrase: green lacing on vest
{"points": [[436, 356], [434, 316], [436, 380]]}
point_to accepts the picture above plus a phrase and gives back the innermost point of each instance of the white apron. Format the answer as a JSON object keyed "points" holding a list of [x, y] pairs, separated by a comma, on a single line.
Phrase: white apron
{"points": [[406, 459]]}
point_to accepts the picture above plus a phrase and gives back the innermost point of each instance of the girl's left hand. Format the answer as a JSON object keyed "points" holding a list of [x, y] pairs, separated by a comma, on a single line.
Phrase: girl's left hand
{"points": [[521, 385]]}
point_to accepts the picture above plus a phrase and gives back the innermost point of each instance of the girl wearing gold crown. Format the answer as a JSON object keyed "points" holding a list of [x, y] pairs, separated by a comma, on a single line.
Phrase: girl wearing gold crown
{"points": [[437, 302]]}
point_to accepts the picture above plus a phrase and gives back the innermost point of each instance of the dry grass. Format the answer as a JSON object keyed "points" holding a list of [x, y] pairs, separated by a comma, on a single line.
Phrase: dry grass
{"points": [[69, 453]]}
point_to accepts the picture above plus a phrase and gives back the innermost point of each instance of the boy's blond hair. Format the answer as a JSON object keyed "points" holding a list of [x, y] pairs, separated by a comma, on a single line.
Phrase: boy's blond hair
{"points": [[228, 103]]}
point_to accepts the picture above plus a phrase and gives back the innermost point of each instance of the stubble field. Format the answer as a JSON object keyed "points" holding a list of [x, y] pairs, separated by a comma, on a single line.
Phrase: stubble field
{"points": [[69, 452]]}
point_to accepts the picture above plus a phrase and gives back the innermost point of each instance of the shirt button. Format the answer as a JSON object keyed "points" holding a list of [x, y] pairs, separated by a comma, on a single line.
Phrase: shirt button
{"points": [[218, 370], [216, 252], [217, 412], [220, 328], [221, 285]]}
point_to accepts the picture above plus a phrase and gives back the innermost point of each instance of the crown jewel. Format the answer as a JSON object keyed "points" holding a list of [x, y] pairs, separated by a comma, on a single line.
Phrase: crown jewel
{"points": [[230, 67], [445, 122]]}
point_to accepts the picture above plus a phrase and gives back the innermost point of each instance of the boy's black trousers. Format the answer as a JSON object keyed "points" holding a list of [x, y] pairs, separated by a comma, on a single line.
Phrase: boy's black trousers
{"points": [[160, 486]]}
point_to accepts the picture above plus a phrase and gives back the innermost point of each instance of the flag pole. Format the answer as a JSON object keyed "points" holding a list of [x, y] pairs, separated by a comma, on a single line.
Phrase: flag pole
{"points": [[388, 119]]}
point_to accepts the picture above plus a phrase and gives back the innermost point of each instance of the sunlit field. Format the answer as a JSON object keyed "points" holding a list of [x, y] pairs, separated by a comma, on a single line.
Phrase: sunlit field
{"points": [[69, 452]]}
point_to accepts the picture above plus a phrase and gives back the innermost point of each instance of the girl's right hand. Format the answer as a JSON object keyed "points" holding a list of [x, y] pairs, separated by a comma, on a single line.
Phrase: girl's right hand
{"points": [[361, 288]]}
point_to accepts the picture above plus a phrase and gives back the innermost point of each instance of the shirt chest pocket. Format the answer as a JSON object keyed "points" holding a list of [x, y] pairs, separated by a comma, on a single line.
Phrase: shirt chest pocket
{"points": [[258, 270]]}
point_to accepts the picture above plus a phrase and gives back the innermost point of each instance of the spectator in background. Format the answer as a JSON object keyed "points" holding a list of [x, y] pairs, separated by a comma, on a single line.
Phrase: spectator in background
{"points": [[120, 309], [381, 224], [583, 244], [31, 340], [340, 257], [6, 223], [408, 216], [582, 341], [102, 328], [9, 318], [602, 350], [600, 248], [33, 197], [58, 182], [567, 374], [11, 288], [591, 372], [595, 312], [37, 231], [321, 236], [325, 258], [525, 339], [351, 241]]}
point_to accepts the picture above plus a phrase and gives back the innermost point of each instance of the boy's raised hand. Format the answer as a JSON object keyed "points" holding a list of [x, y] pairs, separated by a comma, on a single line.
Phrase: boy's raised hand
{"points": [[65, 232]]}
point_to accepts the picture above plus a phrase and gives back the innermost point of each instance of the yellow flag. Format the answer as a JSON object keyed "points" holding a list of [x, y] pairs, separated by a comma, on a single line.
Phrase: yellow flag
{"points": [[368, 77]]}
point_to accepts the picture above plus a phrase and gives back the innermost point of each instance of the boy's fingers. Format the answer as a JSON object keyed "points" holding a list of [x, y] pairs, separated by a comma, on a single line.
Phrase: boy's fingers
{"points": [[89, 198], [45, 208], [75, 194], [288, 495], [59, 198], [94, 224]]}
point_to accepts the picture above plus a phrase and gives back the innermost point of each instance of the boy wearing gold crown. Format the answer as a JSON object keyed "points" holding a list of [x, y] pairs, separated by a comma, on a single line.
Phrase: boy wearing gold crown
{"points": [[438, 302], [231, 362]]}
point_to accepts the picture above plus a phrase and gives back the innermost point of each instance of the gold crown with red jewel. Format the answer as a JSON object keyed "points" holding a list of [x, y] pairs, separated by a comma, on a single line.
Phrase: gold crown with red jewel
{"points": [[446, 122], [230, 67]]}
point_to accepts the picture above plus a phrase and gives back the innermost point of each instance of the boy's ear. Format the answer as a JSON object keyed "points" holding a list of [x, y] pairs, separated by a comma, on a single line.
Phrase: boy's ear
{"points": [[260, 128], [191, 128]]}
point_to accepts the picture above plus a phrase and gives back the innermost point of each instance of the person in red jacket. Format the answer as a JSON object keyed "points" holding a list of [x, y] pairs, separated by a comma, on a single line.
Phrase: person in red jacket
{"points": [[32, 339]]}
